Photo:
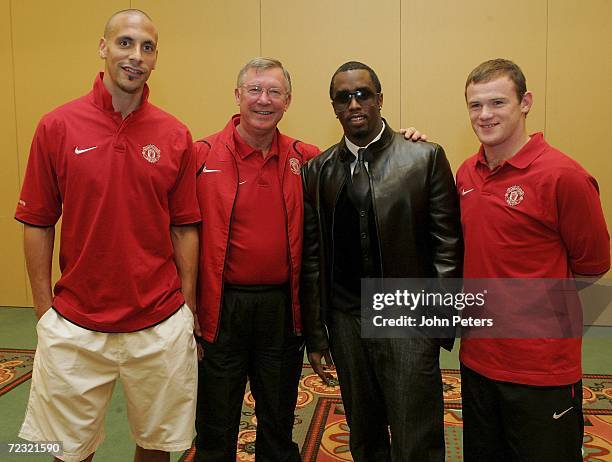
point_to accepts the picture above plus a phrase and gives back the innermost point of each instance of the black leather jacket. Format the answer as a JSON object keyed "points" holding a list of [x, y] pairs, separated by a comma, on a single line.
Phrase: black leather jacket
{"points": [[416, 211]]}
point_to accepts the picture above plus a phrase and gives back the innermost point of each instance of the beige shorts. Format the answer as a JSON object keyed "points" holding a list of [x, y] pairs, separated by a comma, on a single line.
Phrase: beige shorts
{"points": [[74, 374]]}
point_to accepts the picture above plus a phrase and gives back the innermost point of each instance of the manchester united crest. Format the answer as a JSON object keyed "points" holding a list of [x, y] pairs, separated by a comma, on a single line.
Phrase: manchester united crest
{"points": [[295, 165], [514, 195], [151, 153]]}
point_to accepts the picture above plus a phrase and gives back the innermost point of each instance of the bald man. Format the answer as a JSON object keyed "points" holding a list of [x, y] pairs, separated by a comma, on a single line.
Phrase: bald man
{"points": [[121, 173]]}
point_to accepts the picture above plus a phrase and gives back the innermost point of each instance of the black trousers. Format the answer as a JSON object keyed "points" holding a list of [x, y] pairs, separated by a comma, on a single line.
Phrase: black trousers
{"points": [[392, 393], [255, 341], [509, 422]]}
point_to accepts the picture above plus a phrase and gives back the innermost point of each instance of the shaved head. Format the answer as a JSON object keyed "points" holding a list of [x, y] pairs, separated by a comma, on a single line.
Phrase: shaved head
{"points": [[129, 12], [129, 49]]}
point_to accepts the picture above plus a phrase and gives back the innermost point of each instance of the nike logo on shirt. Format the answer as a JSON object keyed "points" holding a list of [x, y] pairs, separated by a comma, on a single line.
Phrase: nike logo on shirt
{"points": [[464, 192], [558, 416], [78, 151], [205, 170]]}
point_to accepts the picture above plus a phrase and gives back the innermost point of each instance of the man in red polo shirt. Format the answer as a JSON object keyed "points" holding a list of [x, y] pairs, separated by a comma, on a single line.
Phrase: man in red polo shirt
{"points": [[250, 193], [249, 189], [527, 211], [121, 173]]}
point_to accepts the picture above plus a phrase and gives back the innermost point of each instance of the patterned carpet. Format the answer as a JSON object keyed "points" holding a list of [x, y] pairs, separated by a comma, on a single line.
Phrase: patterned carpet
{"points": [[15, 368], [321, 431], [320, 425]]}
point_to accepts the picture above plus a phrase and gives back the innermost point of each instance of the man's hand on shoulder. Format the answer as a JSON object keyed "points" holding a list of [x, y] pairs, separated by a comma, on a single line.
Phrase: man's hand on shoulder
{"points": [[413, 134]]}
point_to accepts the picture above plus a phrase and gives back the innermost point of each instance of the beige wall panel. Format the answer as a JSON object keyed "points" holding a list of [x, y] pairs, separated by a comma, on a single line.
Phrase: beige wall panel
{"points": [[12, 269], [443, 41], [313, 38], [202, 46], [56, 60], [13, 280], [9, 173], [579, 92]]}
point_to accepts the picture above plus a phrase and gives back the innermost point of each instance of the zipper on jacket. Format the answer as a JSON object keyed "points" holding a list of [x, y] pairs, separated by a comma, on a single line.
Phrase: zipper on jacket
{"points": [[295, 331], [227, 247]]}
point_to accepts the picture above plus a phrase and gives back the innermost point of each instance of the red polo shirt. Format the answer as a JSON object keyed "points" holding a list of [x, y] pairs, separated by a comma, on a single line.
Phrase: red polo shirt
{"points": [[118, 184], [258, 249], [537, 215]]}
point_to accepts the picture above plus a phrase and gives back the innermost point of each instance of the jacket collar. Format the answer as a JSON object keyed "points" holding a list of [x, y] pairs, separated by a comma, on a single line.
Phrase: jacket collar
{"points": [[243, 149], [371, 150], [285, 144], [227, 137]]}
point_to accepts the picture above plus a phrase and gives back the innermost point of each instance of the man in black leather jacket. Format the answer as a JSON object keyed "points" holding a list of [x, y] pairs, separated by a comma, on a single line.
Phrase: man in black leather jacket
{"points": [[376, 206]]}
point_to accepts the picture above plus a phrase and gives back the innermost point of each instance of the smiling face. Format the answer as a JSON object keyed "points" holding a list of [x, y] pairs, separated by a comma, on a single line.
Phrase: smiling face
{"points": [[361, 119], [129, 49], [263, 100], [497, 115]]}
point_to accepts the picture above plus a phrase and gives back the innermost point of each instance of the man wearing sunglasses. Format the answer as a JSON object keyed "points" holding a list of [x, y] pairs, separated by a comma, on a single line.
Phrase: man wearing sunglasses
{"points": [[250, 192], [377, 207]]}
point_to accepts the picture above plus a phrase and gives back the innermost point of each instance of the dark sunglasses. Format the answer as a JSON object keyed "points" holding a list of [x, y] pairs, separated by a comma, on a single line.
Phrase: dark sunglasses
{"points": [[342, 100]]}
